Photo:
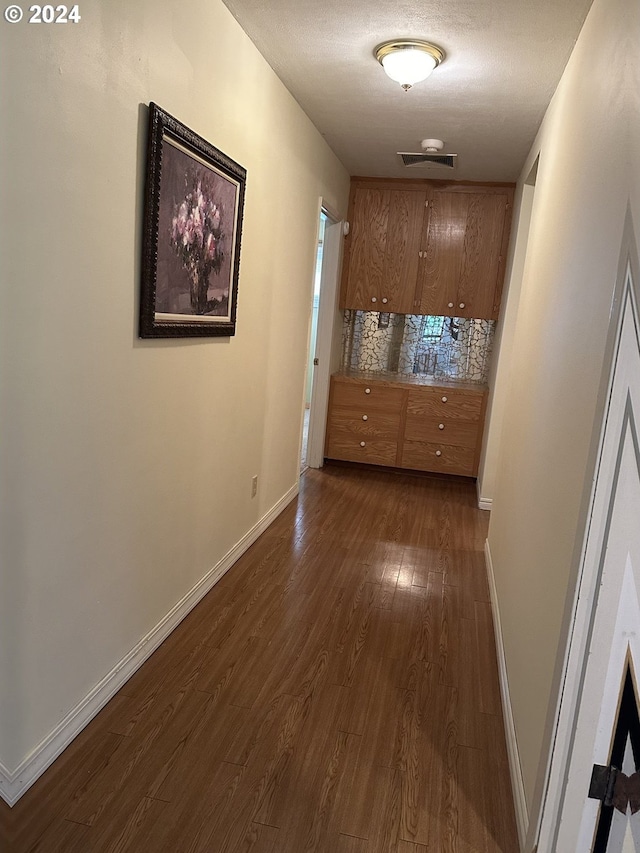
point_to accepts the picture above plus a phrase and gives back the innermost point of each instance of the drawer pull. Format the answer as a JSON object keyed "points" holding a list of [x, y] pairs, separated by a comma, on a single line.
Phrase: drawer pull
{"points": [[451, 305], [384, 300], [444, 399], [365, 417], [363, 444], [438, 453], [367, 390], [462, 304], [373, 299], [440, 426]]}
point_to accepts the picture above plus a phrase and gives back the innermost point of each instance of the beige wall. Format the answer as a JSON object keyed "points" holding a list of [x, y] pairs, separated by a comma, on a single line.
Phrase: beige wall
{"points": [[500, 374], [554, 354], [126, 465]]}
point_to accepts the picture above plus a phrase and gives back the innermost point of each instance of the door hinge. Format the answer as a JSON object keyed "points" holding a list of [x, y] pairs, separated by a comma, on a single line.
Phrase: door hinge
{"points": [[315, 362], [614, 788]]}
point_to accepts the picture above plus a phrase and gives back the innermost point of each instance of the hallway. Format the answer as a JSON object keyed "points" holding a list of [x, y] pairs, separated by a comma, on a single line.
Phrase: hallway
{"points": [[336, 692]]}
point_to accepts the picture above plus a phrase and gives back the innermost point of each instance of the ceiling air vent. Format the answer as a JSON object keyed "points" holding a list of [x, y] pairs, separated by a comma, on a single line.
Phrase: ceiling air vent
{"points": [[422, 159]]}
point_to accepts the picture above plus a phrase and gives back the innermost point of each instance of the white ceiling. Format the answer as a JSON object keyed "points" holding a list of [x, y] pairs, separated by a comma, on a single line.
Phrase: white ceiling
{"points": [[503, 61]]}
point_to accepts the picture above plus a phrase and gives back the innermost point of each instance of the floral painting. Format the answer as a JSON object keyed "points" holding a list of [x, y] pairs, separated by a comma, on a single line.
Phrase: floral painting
{"points": [[193, 220]]}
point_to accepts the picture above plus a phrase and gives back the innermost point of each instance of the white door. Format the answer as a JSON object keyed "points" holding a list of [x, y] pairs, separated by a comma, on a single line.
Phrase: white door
{"points": [[328, 343], [605, 639]]}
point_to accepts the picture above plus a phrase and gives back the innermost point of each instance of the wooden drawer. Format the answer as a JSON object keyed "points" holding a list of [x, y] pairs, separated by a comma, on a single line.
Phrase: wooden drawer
{"points": [[365, 397], [355, 448], [456, 432], [443, 404], [423, 456], [376, 425]]}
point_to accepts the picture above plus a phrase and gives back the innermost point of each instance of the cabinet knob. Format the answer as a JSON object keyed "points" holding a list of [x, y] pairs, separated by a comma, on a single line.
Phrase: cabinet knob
{"points": [[444, 399], [462, 304], [384, 300], [438, 453], [363, 444], [373, 299], [440, 426], [450, 305], [367, 390], [365, 417]]}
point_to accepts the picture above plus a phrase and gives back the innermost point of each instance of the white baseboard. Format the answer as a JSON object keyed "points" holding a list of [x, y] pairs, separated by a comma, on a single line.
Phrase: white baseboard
{"points": [[14, 784], [515, 769], [483, 503]]}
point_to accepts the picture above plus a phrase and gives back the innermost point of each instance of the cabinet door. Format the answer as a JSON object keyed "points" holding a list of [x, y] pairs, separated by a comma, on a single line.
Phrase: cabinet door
{"points": [[383, 255], [368, 239], [442, 243], [462, 253], [404, 232], [482, 254]]}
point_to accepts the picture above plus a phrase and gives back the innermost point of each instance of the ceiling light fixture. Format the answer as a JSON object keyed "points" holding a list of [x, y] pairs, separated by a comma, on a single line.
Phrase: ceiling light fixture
{"points": [[408, 61]]}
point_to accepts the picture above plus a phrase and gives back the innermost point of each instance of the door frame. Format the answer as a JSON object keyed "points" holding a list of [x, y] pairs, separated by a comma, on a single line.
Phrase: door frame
{"points": [[326, 335], [547, 813]]}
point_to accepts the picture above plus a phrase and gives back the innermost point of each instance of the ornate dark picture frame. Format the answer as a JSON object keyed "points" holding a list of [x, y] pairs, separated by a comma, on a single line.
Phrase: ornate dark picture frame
{"points": [[193, 207]]}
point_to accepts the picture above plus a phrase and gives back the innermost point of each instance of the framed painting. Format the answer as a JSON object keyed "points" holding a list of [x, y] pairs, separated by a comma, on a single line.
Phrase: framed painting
{"points": [[194, 201]]}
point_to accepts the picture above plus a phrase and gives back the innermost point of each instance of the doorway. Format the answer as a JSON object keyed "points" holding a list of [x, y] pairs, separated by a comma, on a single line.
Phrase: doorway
{"points": [[313, 336], [596, 728], [324, 338]]}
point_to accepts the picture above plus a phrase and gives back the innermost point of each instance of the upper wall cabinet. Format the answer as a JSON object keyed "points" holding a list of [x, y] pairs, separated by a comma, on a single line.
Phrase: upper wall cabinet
{"points": [[426, 247], [463, 252], [383, 255]]}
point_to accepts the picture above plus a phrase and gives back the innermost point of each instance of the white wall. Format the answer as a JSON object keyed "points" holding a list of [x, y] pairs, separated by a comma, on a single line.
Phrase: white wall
{"points": [[500, 375], [126, 465], [555, 357]]}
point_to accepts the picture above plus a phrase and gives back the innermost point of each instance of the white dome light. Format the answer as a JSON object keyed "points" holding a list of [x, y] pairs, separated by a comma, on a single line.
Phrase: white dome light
{"points": [[409, 61], [408, 66]]}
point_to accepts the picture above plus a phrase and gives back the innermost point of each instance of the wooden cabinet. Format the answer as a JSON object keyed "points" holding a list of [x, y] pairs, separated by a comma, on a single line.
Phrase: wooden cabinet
{"points": [[428, 428], [382, 263], [443, 430], [464, 248], [364, 421], [426, 247]]}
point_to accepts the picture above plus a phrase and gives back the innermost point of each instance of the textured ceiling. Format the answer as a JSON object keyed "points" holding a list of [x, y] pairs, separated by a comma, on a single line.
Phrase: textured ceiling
{"points": [[503, 61]]}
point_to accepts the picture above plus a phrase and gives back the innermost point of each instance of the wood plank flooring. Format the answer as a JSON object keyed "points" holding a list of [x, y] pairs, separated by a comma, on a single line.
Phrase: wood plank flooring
{"points": [[336, 692]]}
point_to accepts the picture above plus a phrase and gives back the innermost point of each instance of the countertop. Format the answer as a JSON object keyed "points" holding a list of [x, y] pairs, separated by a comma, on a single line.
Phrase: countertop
{"points": [[404, 379]]}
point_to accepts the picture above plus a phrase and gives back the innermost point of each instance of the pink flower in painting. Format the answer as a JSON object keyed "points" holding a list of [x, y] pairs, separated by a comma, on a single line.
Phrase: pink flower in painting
{"points": [[197, 224], [178, 223], [197, 237], [189, 232]]}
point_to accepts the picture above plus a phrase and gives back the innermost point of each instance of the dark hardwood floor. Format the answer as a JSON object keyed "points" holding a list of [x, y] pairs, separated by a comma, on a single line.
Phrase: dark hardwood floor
{"points": [[336, 692]]}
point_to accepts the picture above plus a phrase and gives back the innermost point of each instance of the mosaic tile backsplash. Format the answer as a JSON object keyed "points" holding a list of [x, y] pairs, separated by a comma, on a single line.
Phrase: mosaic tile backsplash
{"points": [[437, 347]]}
